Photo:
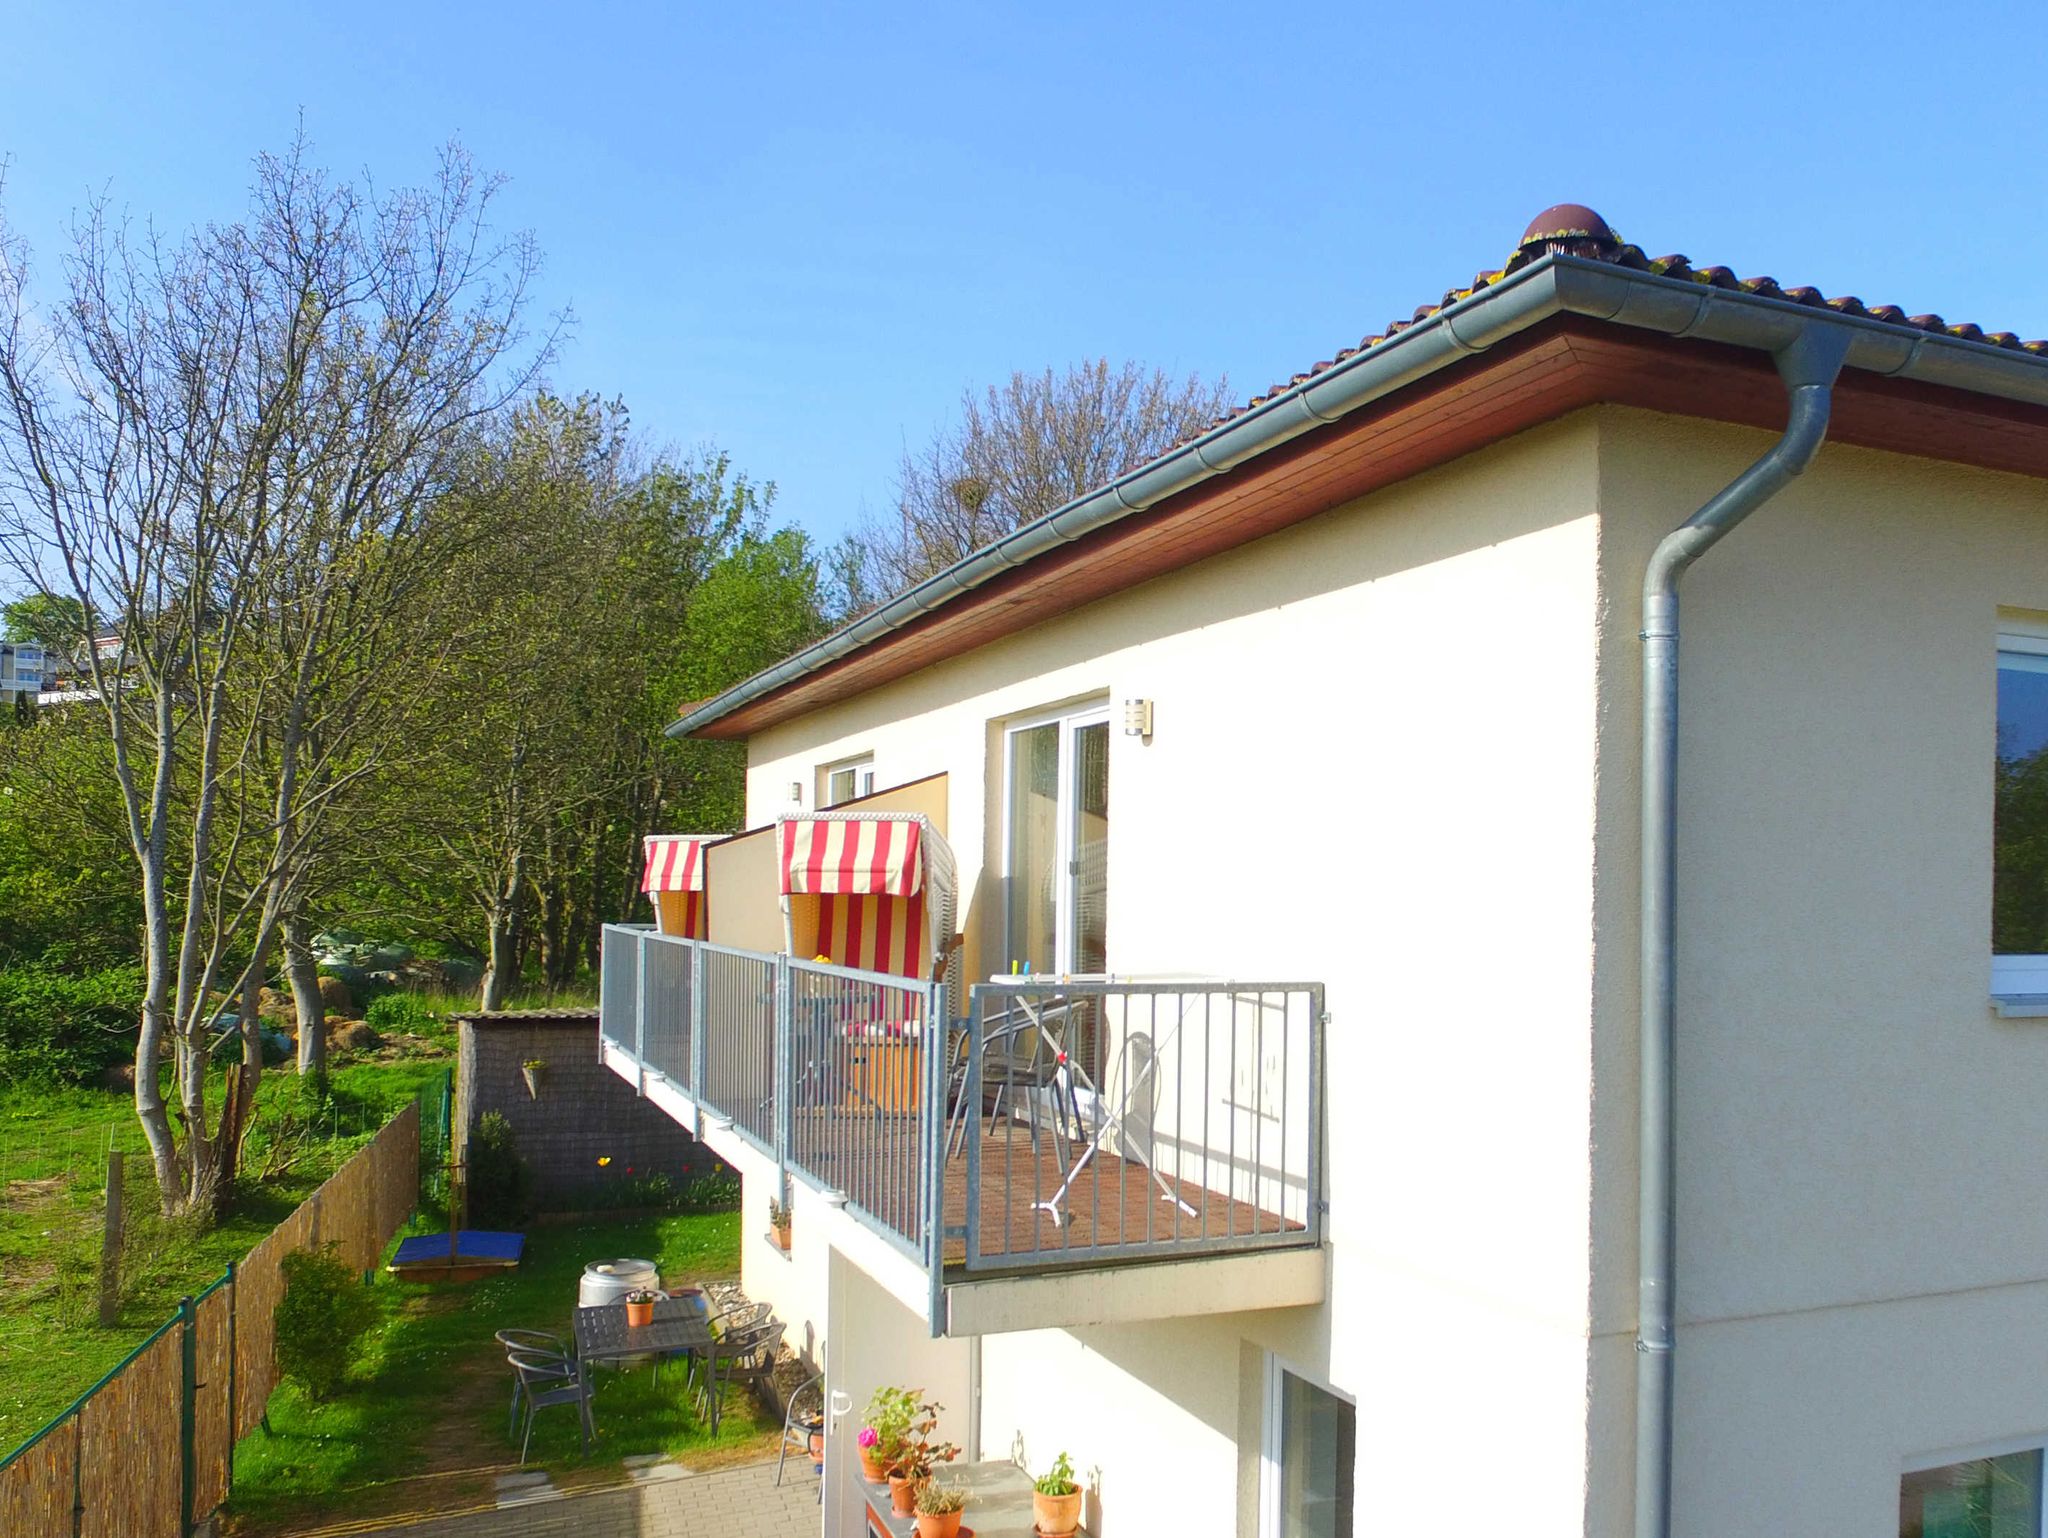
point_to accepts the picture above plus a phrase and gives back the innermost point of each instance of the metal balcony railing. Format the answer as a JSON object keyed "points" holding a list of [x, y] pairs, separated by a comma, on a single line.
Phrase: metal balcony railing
{"points": [[1059, 1124]]}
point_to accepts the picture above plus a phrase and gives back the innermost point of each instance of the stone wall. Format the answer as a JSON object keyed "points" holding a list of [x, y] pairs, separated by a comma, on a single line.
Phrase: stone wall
{"points": [[584, 1112]]}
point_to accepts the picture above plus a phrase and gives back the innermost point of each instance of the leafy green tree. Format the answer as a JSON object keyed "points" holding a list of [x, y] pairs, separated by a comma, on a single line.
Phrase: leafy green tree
{"points": [[52, 620]]}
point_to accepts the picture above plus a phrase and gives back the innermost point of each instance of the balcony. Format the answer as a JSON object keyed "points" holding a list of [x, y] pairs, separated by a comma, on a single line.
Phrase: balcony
{"points": [[1075, 1150]]}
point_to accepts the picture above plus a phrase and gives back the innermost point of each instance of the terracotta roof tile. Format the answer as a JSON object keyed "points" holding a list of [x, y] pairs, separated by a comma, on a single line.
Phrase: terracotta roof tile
{"points": [[1584, 234]]}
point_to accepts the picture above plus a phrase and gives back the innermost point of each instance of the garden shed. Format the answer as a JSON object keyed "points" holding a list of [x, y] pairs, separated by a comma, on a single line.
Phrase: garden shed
{"points": [[587, 1140]]}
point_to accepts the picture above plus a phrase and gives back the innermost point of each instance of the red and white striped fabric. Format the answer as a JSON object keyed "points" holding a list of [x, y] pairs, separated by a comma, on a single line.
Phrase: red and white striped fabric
{"points": [[872, 931], [870, 856], [675, 863]]}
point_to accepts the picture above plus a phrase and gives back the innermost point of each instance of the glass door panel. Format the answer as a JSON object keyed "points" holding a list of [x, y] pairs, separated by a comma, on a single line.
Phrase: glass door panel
{"points": [[1034, 839], [1090, 949], [1057, 818], [1317, 1438]]}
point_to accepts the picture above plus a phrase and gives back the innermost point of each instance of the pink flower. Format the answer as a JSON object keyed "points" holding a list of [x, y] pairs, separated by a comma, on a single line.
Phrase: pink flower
{"points": [[868, 1436]]}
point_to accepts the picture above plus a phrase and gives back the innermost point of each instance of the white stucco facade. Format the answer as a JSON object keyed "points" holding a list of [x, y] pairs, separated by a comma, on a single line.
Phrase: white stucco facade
{"points": [[1329, 709], [1395, 751]]}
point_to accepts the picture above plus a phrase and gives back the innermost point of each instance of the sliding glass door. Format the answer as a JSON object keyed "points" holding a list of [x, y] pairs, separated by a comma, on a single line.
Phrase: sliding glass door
{"points": [[1057, 843]]}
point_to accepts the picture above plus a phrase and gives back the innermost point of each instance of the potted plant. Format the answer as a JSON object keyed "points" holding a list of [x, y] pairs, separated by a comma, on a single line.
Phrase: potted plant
{"points": [[1056, 1499], [917, 1457], [938, 1510], [778, 1224], [872, 1469], [531, 1071], [888, 1417], [639, 1308]]}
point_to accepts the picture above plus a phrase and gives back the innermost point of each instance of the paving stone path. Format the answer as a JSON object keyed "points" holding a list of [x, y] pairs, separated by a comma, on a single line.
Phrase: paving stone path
{"points": [[664, 1501]]}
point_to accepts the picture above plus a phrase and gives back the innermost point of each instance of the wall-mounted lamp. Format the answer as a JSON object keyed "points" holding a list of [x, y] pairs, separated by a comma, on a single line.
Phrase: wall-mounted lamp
{"points": [[1137, 718], [796, 792]]}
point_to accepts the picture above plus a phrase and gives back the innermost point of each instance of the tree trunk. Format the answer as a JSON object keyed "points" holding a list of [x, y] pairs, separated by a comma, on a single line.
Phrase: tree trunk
{"points": [[553, 916], [149, 1043], [238, 1105], [503, 968], [304, 972]]}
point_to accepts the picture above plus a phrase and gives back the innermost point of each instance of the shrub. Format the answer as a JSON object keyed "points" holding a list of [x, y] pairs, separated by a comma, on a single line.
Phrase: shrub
{"points": [[497, 1175], [406, 1012], [61, 1027], [324, 1313], [716, 1192]]}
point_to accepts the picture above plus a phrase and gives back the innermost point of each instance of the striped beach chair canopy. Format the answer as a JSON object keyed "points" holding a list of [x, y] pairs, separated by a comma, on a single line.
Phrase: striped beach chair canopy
{"points": [[674, 881], [874, 890]]}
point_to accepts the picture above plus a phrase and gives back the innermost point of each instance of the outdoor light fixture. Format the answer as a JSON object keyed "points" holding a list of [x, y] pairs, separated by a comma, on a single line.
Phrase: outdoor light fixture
{"points": [[1137, 718], [796, 791]]}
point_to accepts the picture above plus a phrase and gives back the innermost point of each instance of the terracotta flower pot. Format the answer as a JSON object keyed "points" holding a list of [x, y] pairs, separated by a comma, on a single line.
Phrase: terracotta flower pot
{"points": [[945, 1525], [902, 1495], [871, 1468], [639, 1315], [817, 1447], [1057, 1515], [781, 1237]]}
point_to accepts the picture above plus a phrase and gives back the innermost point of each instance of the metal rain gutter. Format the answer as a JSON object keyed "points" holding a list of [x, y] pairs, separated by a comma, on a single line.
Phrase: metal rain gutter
{"points": [[1809, 365], [1552, 286]]}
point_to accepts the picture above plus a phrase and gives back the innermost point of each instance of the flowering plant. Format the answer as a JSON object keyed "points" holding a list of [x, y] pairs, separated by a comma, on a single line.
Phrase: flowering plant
{"points": [[868, 1436]]}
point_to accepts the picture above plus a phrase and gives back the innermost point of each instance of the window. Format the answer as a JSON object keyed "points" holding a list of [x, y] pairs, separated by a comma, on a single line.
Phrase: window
{"points": [[849, 781], [1057, 842], [2019, 893], [1311, 1442], [1998, 1497]]}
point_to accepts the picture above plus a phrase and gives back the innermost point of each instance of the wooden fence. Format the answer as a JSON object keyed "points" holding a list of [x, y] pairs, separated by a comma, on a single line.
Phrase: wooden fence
{"points": [[149, 1449]]}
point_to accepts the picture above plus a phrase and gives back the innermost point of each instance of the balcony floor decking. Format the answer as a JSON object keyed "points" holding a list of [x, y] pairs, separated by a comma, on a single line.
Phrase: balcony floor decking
{"points": [[1112, 1203]]}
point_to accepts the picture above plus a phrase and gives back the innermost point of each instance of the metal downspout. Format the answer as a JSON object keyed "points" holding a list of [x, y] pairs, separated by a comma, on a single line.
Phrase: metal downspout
{"points": [[1808, 365]]}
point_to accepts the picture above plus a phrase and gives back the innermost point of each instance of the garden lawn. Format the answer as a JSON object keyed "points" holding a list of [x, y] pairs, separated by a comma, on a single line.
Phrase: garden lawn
{"points": [[53, 1147], [421, 1426]]}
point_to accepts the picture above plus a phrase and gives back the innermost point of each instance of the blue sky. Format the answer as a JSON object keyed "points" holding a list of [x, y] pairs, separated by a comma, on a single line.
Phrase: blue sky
{"points": [[798, 231]]}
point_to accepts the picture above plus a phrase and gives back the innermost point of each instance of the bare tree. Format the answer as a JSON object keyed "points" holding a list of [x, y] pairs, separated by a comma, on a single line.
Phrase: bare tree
{"points": [[220, 449], [1015, 454]]}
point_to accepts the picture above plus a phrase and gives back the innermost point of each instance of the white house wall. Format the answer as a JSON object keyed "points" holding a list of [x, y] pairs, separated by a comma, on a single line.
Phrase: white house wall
{"points": [[1373, 766], [1863, 1248]]}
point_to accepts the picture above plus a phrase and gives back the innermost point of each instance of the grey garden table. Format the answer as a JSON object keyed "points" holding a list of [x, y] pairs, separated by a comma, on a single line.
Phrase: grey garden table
{"points": [[602, 1334]]}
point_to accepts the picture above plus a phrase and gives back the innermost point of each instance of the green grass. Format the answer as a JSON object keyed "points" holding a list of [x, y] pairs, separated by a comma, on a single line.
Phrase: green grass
{"points": [[53, 1146], [422, 1424]]}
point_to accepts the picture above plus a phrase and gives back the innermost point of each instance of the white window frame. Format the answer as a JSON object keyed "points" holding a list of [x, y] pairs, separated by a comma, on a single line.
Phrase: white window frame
{"points": [[1069, 719], [1920, 1463], [2019, 976], [1270, 1451], [862, 766]]}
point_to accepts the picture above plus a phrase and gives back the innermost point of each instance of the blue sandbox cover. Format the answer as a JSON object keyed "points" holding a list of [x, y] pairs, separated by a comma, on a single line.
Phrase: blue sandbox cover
{"points": [[471, 1244]]}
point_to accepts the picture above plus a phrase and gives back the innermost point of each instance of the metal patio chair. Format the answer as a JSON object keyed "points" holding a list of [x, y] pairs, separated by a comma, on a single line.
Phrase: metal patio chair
{"points": [[1017, 1055], [734, 1317], [740, 1356], [802, 1418], [545, 1379], [541, 1341]]}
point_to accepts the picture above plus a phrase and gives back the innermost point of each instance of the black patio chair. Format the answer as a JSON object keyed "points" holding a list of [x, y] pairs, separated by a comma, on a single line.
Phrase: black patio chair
{"points": [[740, 1356], [545, 1379]]}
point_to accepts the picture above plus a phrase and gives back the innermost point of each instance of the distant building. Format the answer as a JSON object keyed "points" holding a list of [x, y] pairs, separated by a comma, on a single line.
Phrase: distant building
{"points": [[23, 670]]}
